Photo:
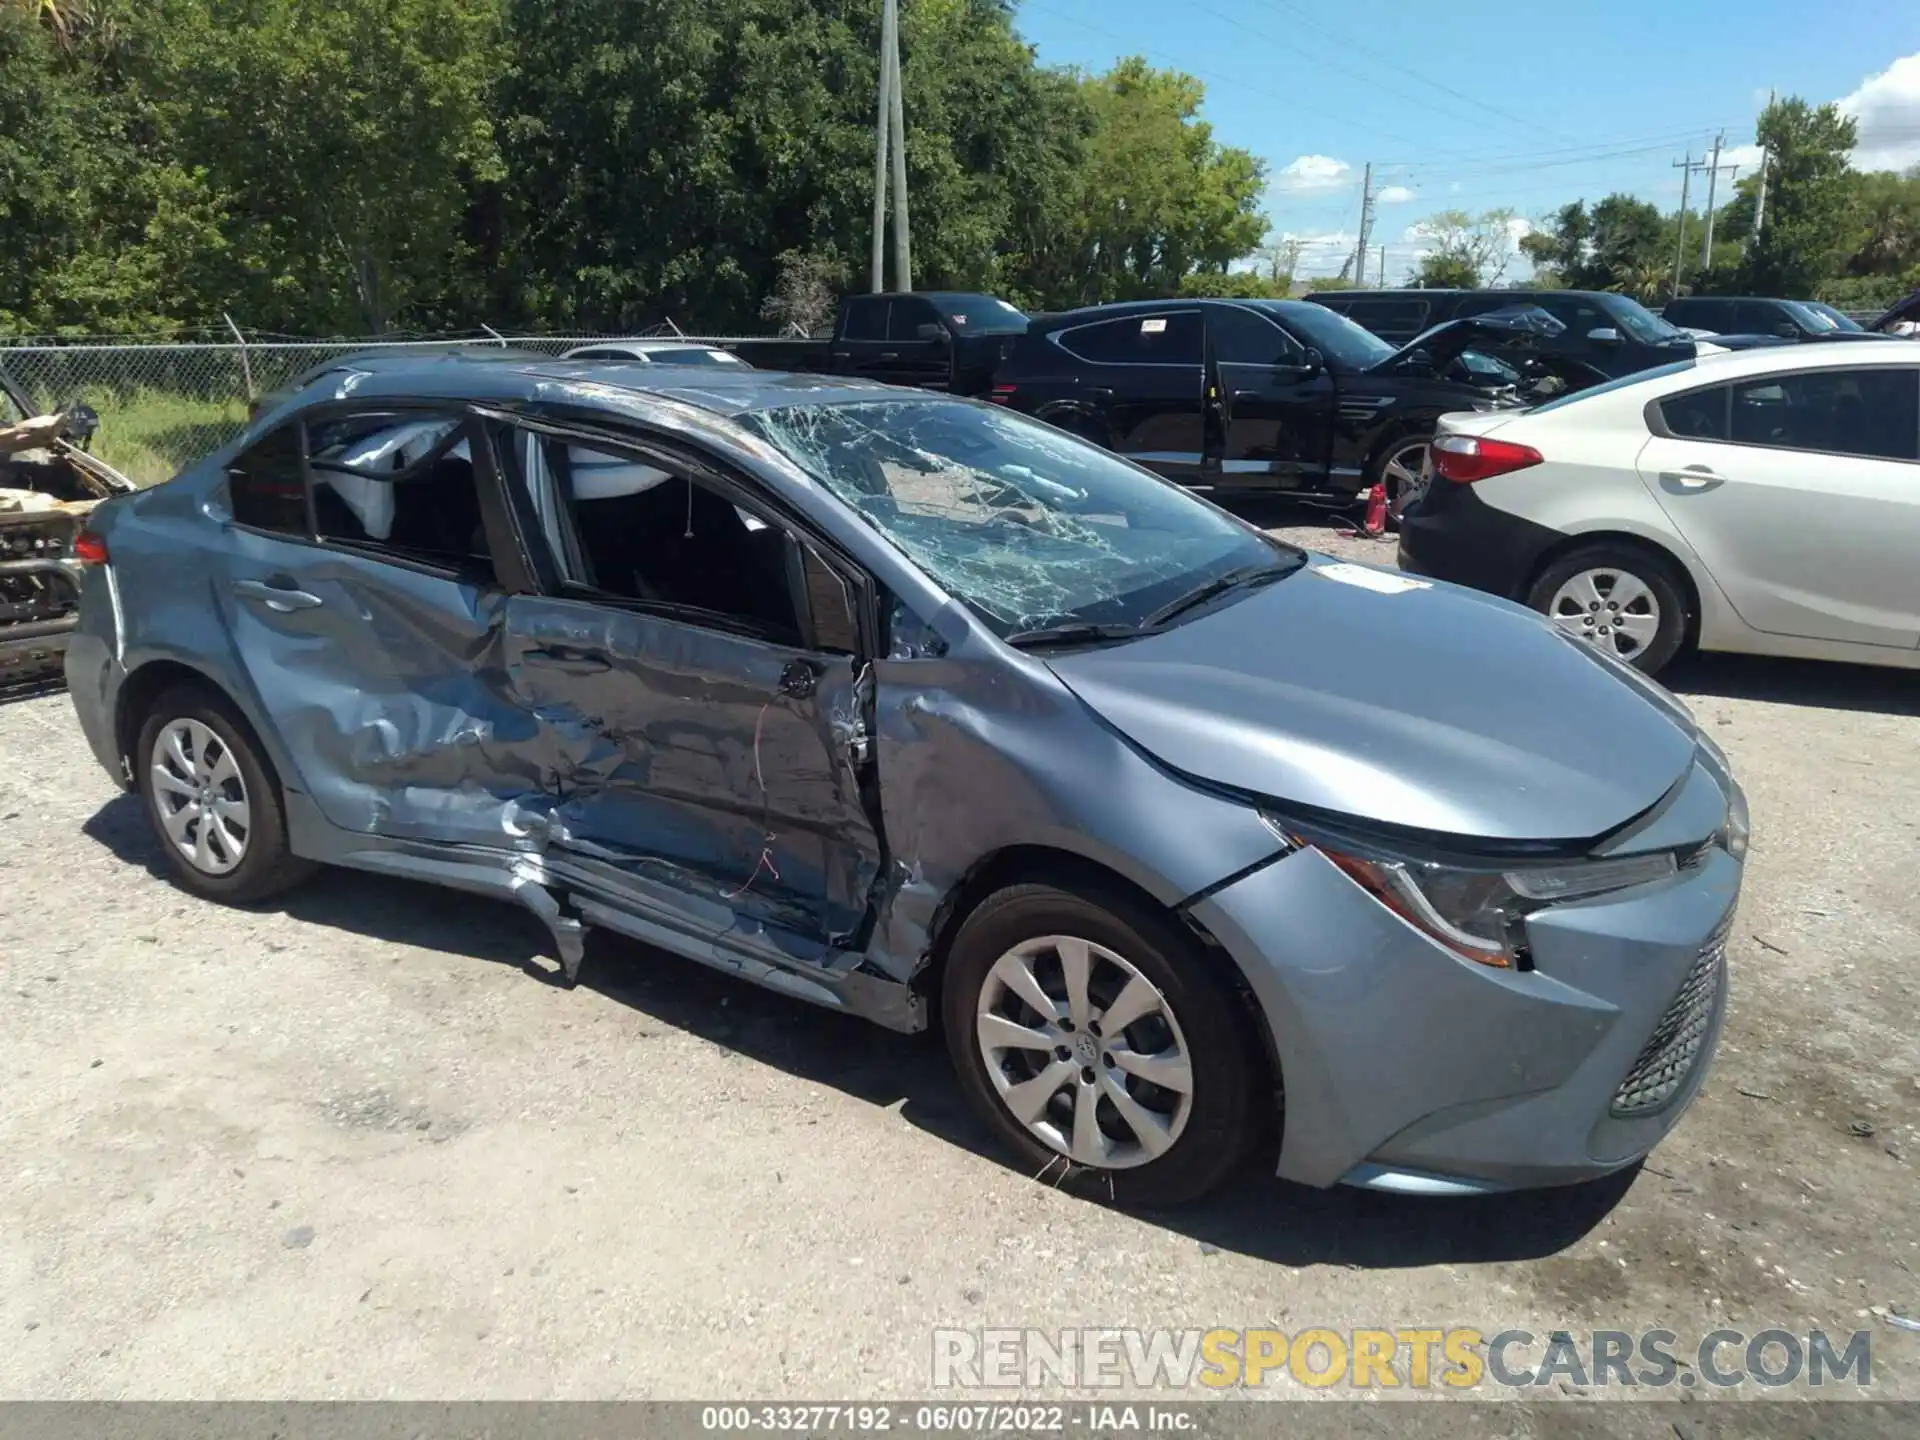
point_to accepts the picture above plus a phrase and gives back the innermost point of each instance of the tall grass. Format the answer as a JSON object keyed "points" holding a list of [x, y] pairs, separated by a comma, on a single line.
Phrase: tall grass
{"points": [[151, 435]]}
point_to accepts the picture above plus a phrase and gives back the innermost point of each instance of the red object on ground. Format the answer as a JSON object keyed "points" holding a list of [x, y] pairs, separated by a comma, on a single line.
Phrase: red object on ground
{"points": [[1376, 523]]}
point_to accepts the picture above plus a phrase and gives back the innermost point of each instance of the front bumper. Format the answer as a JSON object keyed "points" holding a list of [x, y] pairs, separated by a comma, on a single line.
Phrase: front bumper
{"points": [[1407, 1068]]}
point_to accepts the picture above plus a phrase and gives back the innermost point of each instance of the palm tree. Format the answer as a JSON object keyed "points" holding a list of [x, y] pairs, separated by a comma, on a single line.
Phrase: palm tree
{"points": [[1647, 280]]}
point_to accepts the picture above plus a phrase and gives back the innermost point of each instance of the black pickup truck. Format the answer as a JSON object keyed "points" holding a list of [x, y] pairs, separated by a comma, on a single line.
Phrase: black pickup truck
{"points": [[934, 339]]}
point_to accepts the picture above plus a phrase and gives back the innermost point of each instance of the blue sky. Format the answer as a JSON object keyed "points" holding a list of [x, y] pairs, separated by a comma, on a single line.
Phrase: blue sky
{"points": [[1473, 105]]}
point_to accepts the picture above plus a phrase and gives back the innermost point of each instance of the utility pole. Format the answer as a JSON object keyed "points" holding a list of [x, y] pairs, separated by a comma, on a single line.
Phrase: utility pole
{"points": [[1383, 267], [882, 121], [1760, 196], [902, 243], [1713, 178], [890, 133], [1686, 168], [1366, 225]]}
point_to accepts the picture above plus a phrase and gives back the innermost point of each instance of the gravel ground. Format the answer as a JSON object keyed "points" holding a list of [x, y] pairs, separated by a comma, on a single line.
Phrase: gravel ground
{"points": [[352, 1146]]}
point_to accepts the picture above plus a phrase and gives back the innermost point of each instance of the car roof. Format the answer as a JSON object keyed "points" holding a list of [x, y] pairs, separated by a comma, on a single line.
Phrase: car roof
{"points": [[507, 378], [1120, 309], [1786, 360]]}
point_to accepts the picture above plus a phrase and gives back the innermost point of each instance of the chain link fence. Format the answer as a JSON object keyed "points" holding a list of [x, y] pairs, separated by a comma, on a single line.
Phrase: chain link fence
{"points": [[163, 405]]}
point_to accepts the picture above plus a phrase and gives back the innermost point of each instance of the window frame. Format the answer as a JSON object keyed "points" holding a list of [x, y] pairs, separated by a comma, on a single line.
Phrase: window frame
{"points": [[647, 446], [1656, 418], [512, 570]]}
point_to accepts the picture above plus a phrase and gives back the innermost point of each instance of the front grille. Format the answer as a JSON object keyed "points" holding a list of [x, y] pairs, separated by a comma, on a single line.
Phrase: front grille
{"points": [[1674, 1048]]}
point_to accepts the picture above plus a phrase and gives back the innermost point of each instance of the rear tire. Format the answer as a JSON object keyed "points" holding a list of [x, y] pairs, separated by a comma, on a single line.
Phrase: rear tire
{"points": [[214, 805], [1619, 597], [1100, 1112]]}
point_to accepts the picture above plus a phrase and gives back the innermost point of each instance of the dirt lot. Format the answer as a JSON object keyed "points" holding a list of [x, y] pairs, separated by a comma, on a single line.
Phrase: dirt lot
{"points": [[352, 1147]]}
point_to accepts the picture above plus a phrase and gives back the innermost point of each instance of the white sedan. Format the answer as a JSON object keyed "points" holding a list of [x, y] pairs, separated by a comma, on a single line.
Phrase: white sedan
{"points": [[1765, 501], [657, 350]]}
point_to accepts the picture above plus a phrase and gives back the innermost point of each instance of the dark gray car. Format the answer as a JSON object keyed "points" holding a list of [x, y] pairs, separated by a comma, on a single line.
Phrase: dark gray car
{"points": [[915, 708]]}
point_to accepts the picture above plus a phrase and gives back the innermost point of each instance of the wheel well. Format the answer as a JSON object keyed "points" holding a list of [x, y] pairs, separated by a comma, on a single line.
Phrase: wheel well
{"points": [[1398, 434], [1688, 590], [1044, 865]]}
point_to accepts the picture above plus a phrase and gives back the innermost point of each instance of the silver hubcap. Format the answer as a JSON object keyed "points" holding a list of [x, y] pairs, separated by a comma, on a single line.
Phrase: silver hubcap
{"points": [[1609, 608], [200, 798], [1084, 1051], [1407, 472]]}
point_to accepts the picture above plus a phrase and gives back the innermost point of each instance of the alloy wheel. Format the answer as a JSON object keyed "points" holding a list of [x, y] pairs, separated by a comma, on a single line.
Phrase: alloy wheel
{"points": [[1407, 472], [1085, 1052], [200, 796], [1613, 609]]}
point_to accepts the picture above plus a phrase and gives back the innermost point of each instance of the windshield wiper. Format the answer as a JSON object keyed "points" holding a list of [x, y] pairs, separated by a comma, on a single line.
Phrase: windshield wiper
{"points": [[1219, 585], [1076, 632]]}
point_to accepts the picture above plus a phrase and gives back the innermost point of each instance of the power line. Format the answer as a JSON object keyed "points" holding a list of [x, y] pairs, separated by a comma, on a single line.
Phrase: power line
{"points": [[1213, 76], [1350, 43]]}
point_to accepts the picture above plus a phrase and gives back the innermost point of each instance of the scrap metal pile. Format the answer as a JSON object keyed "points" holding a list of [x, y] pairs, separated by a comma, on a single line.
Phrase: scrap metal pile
{"points": [[49, 483]]}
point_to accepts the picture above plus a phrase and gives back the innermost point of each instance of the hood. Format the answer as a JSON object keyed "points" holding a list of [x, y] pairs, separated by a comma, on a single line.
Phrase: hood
{"points": [[1396, 700], [1516, 328]]}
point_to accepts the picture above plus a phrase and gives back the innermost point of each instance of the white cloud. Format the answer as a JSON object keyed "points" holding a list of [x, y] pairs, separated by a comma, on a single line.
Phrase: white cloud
{"points": [[1313, 172], [1747, 157], [1394, 195], [1887, 107]]}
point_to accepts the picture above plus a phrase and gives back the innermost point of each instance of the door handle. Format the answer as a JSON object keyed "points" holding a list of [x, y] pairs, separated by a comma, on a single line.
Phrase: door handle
{"points": [[569, 662], [1692, 477], [285, 597], [889, 354]]}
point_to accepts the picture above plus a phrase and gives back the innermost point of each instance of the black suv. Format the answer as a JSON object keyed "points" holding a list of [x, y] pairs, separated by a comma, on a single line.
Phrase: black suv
{"points": [[1268, 395], [1743, 315], [1607, 335]]}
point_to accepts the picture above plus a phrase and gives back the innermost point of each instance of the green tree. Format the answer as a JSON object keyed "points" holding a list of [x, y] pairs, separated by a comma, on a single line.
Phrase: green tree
{"points": [[1157, 197], [332, 144], [1465, 251], [1803, 237]]}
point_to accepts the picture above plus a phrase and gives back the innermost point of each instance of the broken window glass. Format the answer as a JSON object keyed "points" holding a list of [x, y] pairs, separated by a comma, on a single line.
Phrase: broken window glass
{"points": [[402, 486], [629, 529], [1029, 527]]}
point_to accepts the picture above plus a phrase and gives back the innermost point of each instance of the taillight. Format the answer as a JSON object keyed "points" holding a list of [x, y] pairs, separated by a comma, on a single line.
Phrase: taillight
{"points": [[1002, 394], [89, 548], [1464, 459]]}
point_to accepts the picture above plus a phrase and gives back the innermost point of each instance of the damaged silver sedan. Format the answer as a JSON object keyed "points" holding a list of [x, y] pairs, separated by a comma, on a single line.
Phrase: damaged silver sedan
{"points": [[912, 707]]}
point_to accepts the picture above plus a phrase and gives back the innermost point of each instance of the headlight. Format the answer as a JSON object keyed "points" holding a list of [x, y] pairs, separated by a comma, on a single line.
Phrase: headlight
{"points": [[1738, 833], [1477, 912]]}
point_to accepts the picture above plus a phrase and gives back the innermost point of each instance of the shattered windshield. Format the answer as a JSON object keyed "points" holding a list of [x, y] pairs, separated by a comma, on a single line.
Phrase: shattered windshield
{"points": [[1029, 527]]}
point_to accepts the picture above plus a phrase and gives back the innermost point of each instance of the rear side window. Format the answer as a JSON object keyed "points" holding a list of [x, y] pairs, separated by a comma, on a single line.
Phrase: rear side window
{"points": [[1697, 415], [1869, 412], [400, 485], [1752, 319], [1700, 314], [866, 320], [266, 488], [1171, 339], [1391, 318]]}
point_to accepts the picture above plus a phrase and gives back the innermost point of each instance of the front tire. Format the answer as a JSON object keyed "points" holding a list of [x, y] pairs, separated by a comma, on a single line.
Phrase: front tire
{"points": [[1100, 1046], [213, 805], [1619, 598]]}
